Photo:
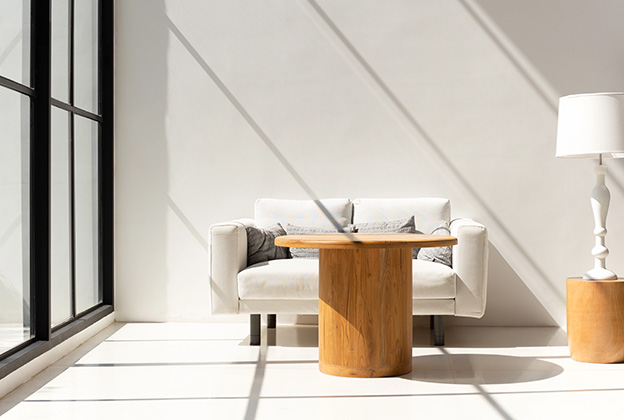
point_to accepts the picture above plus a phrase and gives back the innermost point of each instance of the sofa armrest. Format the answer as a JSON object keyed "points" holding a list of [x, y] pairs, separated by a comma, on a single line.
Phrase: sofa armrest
{"points": [[470, 263], [228, 256]]}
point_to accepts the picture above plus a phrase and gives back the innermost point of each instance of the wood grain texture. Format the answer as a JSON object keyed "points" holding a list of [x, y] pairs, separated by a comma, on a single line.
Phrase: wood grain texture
{"points": [[365, 312], [595, 319], [364, 240]]}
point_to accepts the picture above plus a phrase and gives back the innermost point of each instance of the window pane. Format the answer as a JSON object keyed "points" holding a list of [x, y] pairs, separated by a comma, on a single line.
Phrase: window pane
{"points": [[86, 55], [14, 219], [86, 213], [60, 50], [60, 226], [15, 40]]}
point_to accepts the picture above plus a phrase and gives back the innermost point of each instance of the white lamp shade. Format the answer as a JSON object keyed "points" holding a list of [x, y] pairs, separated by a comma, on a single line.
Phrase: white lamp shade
{"points": [[591, 124]]}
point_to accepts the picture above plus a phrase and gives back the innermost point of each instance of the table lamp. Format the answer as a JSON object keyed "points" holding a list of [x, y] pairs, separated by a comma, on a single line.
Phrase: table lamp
{"points": [[592, 126]]}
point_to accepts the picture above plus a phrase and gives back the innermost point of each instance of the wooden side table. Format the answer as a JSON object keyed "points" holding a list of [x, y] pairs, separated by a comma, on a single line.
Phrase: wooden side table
{"points": [[365, 299], [595, 318]]}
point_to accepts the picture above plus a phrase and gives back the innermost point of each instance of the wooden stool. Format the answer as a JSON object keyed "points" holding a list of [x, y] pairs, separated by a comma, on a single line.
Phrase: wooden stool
{"points": [[595, 318]]}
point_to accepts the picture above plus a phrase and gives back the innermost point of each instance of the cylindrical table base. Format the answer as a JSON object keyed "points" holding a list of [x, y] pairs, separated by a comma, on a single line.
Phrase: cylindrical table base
{"points": [[365, 312], [595, 318]]}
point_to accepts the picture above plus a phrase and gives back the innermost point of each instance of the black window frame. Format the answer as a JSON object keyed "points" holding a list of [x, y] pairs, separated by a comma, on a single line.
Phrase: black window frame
{"points": [[44, 336]]}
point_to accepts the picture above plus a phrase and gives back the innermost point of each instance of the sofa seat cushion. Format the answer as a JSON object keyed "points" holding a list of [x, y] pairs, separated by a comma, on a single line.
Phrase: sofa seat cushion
{"points": [[297, 278], [432, 280]]}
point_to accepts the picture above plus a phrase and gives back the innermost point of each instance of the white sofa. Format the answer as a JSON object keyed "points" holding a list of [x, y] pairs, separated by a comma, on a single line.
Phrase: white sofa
{"points": [[290, 286]]}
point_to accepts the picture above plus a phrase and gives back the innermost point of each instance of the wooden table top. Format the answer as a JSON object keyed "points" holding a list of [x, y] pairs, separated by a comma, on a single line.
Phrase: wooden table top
{"points": [[364, 240]]}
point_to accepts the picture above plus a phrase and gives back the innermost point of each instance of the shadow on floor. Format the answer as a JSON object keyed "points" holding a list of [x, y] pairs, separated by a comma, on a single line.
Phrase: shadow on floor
{"points": [[480, 369]]}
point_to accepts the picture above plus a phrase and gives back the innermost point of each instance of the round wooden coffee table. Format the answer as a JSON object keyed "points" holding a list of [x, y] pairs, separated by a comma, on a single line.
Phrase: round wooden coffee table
{"points": [[365, 299]]}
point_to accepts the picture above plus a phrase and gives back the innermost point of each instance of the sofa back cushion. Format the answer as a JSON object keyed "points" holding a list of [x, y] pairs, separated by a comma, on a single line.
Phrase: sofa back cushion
{"points": [[303, 212], [429, 213], [261, 244], [390, 226], [304, 230]]}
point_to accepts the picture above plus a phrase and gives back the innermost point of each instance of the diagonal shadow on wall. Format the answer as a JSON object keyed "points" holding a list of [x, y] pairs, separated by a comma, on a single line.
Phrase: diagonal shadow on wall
{"points": [[252, 123], [546, 96], [418, 132]]}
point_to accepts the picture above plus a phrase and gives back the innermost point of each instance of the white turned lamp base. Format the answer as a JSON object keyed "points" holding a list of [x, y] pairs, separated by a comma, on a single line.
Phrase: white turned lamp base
{"points": [[600, 198], [600, 274]]}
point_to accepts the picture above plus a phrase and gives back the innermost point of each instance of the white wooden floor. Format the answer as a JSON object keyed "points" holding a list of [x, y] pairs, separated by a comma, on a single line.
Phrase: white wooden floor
{"points": [[207, 371]]}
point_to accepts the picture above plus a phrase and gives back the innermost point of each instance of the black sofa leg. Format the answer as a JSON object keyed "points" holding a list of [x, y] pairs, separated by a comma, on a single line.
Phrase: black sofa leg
{"points": [[438, 330], [254, 330], [271, 320]]}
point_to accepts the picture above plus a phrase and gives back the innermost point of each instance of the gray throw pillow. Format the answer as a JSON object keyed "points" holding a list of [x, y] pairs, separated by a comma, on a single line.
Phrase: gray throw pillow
{"points": [[443, 254], [393, 226], [310, 252], [261, 244]]}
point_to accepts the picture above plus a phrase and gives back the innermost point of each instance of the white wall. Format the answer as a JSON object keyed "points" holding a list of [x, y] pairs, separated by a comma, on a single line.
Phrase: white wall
{"points": [[401, 98]]}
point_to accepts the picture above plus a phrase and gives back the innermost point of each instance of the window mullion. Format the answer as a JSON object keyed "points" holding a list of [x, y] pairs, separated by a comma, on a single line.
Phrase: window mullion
{"points": [[40, 170], [72, 214], [70, 21], [72, 177], [106, 146]]}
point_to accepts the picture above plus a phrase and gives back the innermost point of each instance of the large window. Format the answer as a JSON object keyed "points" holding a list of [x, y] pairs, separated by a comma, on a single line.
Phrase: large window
{"points": [[56, 147], [15, 119], [75, 150], [14, 220]]}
